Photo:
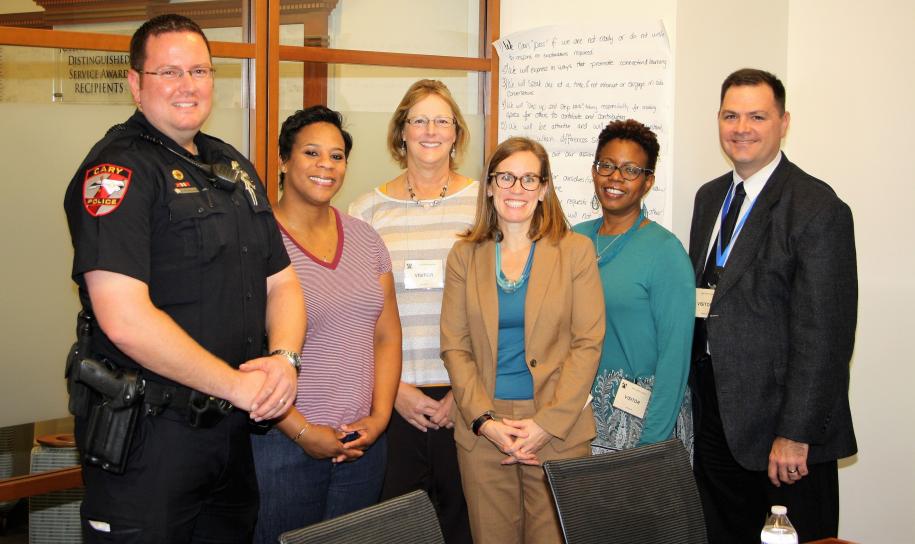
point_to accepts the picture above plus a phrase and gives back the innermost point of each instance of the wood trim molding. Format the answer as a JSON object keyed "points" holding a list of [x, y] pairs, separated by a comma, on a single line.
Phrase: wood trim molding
{"points": [[208, 14], [29, 19], [271, 163], [38, 484], [378, 58], [493, 22], [33, 37]]}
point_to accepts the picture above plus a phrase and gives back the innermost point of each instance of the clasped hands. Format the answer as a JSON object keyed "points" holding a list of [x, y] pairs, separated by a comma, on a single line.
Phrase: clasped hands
{"points": [[325, 442], [422, 411], [519, 439], [266, 387]]}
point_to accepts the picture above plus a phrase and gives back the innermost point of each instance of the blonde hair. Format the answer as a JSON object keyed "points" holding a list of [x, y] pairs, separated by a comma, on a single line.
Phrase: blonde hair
{"points": [[548, 222], [418, 91]]}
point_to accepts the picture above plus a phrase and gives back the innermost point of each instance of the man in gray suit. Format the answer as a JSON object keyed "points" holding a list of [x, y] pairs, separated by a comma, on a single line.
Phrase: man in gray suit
{"points": [[774, 253]]}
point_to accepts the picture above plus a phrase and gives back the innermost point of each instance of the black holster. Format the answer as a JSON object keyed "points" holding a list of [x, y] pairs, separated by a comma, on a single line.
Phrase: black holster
{"points": [[107, 398], [204, 411]]}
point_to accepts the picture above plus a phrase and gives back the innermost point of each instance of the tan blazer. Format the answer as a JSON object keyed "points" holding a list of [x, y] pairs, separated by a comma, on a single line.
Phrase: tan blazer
{"points": [[563, 332]]}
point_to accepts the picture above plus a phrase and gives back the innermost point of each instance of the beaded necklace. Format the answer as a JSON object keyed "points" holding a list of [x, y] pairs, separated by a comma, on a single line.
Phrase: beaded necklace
{"points": [[507, 285], [427, 203]]}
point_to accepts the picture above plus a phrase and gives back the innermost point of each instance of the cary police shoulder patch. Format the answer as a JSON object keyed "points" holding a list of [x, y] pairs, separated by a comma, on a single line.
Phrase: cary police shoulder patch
{"points": [[105, 188]]}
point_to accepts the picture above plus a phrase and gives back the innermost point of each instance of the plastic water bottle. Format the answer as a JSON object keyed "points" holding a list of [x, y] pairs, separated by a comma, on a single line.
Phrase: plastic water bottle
{"points": [[778, 530]]}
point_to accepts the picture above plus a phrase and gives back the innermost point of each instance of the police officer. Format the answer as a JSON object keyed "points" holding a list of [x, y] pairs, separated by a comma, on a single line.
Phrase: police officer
{"points": [[179, 261]]}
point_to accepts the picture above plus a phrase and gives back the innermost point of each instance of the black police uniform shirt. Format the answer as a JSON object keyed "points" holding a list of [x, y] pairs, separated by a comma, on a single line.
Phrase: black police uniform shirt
{"points": [[136, 208]]}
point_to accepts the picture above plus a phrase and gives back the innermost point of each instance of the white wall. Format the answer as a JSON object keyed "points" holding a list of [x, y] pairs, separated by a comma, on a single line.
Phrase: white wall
{"points": [[847, 69], [713, 41], [851, 88]]}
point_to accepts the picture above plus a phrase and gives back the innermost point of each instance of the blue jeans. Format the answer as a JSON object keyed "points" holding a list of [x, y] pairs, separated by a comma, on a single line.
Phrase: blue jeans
{"points": [[297, 490]]}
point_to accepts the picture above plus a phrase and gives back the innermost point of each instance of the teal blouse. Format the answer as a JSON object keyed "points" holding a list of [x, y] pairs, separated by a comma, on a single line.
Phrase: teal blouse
{"points": [[650, 298], [513, 378]]}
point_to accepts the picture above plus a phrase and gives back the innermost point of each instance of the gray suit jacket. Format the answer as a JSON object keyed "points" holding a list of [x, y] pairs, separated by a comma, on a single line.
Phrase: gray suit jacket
{"points": [[781, 325]]}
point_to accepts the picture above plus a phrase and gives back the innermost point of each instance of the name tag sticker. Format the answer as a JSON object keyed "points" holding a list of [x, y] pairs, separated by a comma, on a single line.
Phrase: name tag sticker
{"points": [[631, 399], [423, 274], [703, 301]]}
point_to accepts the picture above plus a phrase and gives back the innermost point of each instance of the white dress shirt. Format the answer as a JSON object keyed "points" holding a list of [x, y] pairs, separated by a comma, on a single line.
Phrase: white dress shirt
{"points": [[753, 185]]}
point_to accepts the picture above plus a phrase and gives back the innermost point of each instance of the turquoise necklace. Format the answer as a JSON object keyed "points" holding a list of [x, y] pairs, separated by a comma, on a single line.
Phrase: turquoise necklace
{"points": [[507, 285]]}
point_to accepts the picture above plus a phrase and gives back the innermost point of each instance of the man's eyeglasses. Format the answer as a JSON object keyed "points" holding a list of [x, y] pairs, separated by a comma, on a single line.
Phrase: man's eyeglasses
{"points": [[200, 72], [439, 122], [506, 180], [629, 172]]}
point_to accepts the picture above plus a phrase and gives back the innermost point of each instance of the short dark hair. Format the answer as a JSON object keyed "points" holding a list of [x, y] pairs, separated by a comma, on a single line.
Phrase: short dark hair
{"points": [[309, 116], [631, 130], [160, 24], [753, 77]]}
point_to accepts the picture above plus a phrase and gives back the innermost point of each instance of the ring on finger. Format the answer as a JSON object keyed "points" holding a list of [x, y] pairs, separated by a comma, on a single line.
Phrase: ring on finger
{"points": [[792, 471]]}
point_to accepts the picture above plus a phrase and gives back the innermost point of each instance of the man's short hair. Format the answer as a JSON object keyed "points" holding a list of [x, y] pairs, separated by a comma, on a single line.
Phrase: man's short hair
{"points": [[752, 77], [160, 24]]}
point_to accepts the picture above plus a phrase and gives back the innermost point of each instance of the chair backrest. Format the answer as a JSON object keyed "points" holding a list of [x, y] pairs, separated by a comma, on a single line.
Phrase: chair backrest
{"points": [[401, 520], [644, 494]]}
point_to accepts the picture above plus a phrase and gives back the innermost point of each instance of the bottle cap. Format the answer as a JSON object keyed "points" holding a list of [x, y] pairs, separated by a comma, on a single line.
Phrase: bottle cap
{"points": [[779, 510]]}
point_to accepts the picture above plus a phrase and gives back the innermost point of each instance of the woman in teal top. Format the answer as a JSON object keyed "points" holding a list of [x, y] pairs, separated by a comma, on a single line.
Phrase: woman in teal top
{"points": [[649, 294]]}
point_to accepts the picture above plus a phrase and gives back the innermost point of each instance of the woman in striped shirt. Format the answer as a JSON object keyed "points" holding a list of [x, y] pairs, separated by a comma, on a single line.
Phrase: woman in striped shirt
{"points": [[419, 215], [351, 357]]}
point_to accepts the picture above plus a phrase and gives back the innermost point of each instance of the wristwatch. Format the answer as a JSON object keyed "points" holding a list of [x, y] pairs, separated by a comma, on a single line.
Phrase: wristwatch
{"points": [[290, 356], [478, 422]]}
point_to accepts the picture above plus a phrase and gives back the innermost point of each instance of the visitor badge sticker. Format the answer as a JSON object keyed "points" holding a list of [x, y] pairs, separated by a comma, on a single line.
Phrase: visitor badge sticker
{"points": [[703, 301], [631, 398], [423, 274]]}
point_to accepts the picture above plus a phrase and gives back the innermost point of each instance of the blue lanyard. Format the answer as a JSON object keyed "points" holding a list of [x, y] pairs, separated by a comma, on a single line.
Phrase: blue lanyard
{"points": [[721, 258], [619, 243]]}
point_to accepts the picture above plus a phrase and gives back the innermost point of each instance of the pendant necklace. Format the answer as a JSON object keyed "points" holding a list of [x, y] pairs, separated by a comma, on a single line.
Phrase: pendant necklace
{"points": [[605, 255], [600, 252], [429, 203]]}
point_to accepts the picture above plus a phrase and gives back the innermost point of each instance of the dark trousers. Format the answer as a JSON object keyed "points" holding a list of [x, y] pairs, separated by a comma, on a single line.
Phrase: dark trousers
{"points": [[181, 485], [735, 500], [428, 461]]}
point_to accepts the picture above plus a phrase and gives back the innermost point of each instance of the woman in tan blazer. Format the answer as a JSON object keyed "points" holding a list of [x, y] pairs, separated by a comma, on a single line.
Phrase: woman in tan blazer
{"points": [[522, 326]]}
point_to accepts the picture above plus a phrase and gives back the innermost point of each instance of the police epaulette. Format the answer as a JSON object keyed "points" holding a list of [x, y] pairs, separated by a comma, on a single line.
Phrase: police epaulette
{"points": [[120, 127]]}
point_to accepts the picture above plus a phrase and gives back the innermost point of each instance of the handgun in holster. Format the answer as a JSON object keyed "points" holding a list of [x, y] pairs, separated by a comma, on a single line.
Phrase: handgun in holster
{"points": [[108, 398]]}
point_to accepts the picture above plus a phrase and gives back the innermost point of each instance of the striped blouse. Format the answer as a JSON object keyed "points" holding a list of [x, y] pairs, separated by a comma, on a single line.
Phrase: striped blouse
{"points": [[344, 300], [416, 232]]}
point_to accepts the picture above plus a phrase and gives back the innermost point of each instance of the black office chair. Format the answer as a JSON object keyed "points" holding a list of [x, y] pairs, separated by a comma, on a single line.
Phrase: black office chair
{"points": [[401, 520], [644, 494]]}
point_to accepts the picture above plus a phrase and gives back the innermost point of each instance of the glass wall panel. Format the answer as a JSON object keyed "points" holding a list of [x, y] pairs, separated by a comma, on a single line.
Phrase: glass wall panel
{"points": [[367, 96], [428, 27], [42, 143]]}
